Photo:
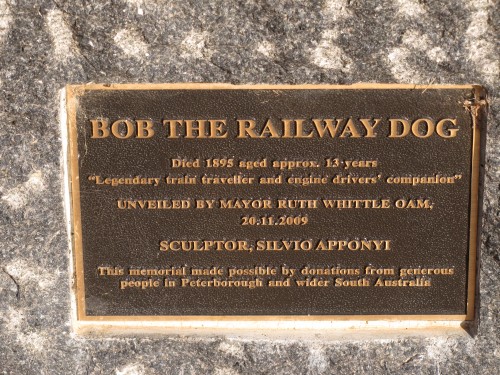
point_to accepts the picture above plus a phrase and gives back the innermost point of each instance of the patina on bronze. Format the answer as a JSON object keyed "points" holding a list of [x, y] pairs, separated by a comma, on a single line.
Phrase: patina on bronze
{"points": [[252, 202]]}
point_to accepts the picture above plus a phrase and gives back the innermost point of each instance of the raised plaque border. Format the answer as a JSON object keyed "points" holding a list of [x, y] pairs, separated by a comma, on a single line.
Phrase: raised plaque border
{"points": [[69, 102]]}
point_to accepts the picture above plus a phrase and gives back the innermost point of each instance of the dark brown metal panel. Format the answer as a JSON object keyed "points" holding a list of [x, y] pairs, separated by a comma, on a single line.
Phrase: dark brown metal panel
{"points": [[420, 238]]}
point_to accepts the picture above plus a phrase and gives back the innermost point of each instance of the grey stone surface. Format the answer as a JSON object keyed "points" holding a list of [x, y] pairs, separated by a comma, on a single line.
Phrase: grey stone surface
{"points": [[46, 44]]}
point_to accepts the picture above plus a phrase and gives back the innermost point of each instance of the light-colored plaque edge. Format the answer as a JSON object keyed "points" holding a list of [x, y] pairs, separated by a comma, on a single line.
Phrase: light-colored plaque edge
{"points": [[227, 86], [477, 108], [67, 201], [71, 102]]}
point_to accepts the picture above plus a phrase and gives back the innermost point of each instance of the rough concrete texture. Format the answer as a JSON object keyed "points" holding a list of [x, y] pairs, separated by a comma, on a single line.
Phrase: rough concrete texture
{"points": [[46, 44]]}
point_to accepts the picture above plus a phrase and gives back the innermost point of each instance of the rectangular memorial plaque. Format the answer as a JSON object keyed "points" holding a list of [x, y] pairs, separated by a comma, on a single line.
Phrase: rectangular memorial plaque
{"points": [[220, 202]]}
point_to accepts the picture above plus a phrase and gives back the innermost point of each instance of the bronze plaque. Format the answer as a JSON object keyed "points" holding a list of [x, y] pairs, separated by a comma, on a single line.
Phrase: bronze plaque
{"points": [[274, 202]]}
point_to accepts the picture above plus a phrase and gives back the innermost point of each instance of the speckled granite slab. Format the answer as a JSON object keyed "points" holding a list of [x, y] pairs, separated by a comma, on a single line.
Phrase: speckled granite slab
{"points": [[47, 44]]}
